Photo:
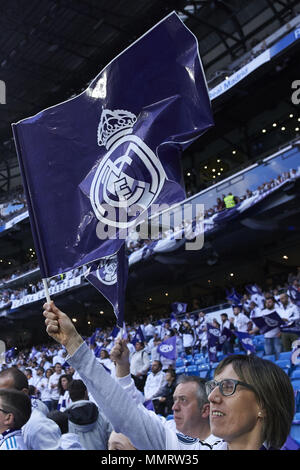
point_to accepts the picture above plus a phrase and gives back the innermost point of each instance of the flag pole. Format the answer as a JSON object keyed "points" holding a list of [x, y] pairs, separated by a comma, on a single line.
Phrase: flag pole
{"points": [[47, 295]]}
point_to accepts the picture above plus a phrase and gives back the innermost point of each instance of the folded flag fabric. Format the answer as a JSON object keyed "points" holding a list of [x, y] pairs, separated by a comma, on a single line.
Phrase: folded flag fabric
{"points": [[138, 337], [109, 276], [246, 341], [178, 307], [213, 335], [268, 322], [168, 348]]}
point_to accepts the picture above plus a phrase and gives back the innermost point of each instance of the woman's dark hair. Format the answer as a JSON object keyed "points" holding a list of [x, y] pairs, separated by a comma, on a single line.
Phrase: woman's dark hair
{"points": [[59, 385], [77, 390], [105, 352], [17, 403], [274, 393]]}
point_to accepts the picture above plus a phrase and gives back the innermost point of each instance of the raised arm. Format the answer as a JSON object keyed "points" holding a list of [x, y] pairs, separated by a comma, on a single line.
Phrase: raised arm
{"points": [[146, 431]]}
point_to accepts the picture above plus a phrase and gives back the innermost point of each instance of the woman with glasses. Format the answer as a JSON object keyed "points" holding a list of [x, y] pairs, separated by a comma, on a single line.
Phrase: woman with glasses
{"points": [[251, 404], [251, 399]]}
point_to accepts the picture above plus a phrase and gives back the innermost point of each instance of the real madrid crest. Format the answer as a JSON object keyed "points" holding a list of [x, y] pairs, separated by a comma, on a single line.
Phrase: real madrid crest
{"points": [[107, 271], [129, 175]]}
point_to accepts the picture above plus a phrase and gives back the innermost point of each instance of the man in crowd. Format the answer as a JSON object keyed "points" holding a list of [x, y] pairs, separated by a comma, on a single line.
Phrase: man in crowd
{"points": [[190, 402], [272, 344], [53, 385], [39, 432], [145, 429], [289, 313], [85, 419], [139, 365], [154, 382], [164, 403], [15, 411]]}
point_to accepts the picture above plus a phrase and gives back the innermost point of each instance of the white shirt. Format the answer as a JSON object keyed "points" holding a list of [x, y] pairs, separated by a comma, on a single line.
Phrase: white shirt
{"points": [[12, 440], [149, 330], [64, 401], [58, 358], [139, 362], [241, 322], [153, 384], [226, 324], [53, 380], [274, 332], [41, 385], [259, 300], [290, 312]]}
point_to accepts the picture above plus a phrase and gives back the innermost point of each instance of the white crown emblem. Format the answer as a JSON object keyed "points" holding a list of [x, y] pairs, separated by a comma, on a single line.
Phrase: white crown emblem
{"points": [[113, 125]]}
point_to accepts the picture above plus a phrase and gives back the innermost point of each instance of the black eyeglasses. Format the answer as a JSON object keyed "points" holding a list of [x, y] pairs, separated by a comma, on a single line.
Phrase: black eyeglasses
{"points": [[227, 386], [3, 411]]}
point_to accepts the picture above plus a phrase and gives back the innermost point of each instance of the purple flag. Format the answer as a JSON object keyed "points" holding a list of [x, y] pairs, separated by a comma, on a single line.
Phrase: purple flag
{"points": [[294, 294], [268, 322], [233, 297], [226, 335], [109, 277], [10, 354], [295, 354], [138, 337], [292, 327], [116, 331], [92, 164], [168, 348], [213, 335], [290, 444], [246, 341], [178, 308], [253, 289], [92, 339]]}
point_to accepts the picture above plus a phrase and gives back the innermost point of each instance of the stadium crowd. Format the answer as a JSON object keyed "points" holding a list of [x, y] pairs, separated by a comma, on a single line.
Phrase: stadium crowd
{"points": [[158, 382]]}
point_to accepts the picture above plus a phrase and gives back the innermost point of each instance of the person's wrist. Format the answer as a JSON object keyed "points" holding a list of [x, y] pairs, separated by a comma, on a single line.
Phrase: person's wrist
{"points": [[122, 370], [73, 343]]}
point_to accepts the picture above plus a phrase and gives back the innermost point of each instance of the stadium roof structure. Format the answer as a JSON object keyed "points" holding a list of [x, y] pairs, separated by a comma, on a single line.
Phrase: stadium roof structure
{"points": [[52, 49]]}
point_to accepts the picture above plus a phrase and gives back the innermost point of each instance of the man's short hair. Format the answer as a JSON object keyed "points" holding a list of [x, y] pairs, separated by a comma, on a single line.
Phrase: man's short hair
{"points": [[77, 390], [17, 403], [201, 392], [19, 378], [61, 419]]}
